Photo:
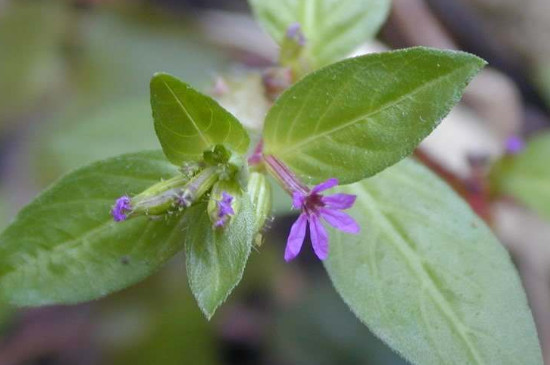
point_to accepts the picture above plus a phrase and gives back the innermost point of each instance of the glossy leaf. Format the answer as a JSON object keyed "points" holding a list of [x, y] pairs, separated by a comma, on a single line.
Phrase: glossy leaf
{"points": [[65, 248], [526, 176], [188, 123], [354, 118], [216, 258], [428, 277], [332, 28]]}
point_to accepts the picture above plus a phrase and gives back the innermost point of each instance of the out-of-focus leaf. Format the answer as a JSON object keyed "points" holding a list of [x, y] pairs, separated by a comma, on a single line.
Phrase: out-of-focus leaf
{"points": [[188, 122], [112, 130], [332, 28], [3, 210], [122, 51], [109, 113], [354, 118], [30, 53], [156, 322], [428, 277], [64, 247], [216, 258], [320, 330], [526, 176]]}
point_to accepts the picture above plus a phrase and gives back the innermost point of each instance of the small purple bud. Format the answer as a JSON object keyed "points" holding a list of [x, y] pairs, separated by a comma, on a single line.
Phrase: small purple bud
{"points": [[224, 209], [514, 145], [122, 205], [294, 32], [184, 199]]}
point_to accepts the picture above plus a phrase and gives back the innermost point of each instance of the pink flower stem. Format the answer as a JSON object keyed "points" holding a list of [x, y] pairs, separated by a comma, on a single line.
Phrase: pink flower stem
{"points": [[257, 156], [284, 176]]}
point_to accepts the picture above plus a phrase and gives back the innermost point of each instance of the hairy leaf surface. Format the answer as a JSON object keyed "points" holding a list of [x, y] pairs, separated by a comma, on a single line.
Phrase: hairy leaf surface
{"points": [[64, 247], [333, 28], [188, 123], [428, 277], [216, 258], [354, 118]]}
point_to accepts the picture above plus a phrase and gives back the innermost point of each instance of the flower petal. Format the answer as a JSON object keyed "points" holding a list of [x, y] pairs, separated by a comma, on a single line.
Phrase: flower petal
{"points": [[122, 205], [296, 237], [340, 220], [224, 205], [339, 201], [319, 237], [298, 200], [330, 183]]}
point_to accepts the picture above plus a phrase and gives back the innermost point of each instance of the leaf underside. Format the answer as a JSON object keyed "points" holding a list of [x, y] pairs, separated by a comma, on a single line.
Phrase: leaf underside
{"points": [[216, 258], [428, 277]]}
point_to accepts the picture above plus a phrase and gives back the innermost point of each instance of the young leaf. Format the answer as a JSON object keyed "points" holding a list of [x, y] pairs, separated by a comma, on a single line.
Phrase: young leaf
{"points": [[216, 258], [188, 123], [354, 118], [64, 247], [428, 277], [332, 28], [526, 176]]}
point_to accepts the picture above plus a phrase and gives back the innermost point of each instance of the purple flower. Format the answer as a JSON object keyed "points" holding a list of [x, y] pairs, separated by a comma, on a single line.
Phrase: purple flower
{"points": [[315, 206], [224, 209], [120, 208], [294, 32], [514, 145]]}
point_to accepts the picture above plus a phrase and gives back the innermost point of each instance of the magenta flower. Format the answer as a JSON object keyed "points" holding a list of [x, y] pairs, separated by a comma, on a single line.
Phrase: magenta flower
{"points": [[122, 205], [224, 209], [315, 206], [514, 145]]}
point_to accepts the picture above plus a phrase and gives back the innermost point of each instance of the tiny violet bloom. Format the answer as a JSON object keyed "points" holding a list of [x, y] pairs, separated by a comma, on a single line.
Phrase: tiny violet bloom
{"points": [[315, 206], [294, 32], [224, 209], [514, 145], [122, 205]]}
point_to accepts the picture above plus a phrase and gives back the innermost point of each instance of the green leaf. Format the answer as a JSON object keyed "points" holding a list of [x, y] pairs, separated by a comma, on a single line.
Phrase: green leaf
{"points": [[526, 176], [428, 277], [188, 123], [333, 28], [64, 247], [353, 119], [216, 258], [31, 38]]}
